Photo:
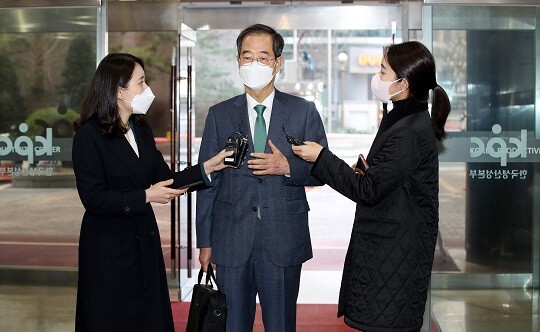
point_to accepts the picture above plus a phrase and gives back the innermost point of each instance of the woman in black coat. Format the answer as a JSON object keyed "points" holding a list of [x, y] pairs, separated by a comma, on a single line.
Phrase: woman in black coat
{"points": [[390, 255], [119, 171]]}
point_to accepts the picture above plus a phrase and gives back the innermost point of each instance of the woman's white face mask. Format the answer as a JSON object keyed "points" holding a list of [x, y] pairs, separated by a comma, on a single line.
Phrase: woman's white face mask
{"points": [[255, 75], [141, 102], [380, 88]]}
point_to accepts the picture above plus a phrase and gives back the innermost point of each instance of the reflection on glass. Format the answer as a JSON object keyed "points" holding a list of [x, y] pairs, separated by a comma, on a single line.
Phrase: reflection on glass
{"points": [[45, 68], [155, 49], [342, 96], [486, 204]]}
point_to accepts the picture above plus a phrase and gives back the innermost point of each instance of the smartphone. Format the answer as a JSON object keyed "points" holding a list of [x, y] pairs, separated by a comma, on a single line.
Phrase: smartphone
{"points": [[189, 185], [231, 145], [361, 163], [291, 139]]}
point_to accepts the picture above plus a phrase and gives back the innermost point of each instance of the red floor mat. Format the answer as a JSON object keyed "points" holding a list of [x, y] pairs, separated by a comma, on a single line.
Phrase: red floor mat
{"points": [[310, 318]]}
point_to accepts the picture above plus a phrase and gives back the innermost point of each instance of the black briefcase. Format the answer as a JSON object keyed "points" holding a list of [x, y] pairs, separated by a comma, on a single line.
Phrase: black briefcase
{"points": [[208, 308]]}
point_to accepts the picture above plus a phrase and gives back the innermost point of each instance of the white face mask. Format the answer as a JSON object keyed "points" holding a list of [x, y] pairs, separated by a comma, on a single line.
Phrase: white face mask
{"points": [[380, 88], [141, 102], [256, 76]]}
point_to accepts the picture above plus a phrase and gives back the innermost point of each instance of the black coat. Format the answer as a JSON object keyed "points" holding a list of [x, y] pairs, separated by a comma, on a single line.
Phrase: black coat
{"points": [[122, 284], [390, 255]]}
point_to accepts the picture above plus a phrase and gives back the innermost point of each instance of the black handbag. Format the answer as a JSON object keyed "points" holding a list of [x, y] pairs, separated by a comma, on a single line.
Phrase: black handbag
{"points": [[208, 308]]}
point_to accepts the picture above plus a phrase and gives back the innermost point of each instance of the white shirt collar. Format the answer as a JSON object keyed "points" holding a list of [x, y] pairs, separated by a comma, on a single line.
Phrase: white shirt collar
{"points": [[252, 114], [268, 102]]}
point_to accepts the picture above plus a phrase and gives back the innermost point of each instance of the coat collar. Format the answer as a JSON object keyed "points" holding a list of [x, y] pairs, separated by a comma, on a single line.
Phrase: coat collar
{"points": [[139, 166], [402, 109], [280, 113]]}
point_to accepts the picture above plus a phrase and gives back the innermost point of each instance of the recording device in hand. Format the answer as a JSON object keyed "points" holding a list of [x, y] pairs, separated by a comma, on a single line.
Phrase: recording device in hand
{"points": [[362, 164], [291, 139], [238, 143]]}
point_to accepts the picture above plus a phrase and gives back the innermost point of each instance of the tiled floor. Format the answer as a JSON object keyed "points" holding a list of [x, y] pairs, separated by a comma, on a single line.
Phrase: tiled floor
{"points": [[485, 310], [52, 309], [37, 308]]}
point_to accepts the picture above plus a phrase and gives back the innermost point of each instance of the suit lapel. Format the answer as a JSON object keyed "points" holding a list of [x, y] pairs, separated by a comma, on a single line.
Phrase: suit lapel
{"points": [[280, 114]]}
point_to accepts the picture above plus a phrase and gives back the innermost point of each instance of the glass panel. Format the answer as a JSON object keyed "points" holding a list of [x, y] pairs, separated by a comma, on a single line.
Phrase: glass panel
{"points": [[155, 49], [351, 56], [312, 69], [486, 62], [215, 72], [47, 57]]}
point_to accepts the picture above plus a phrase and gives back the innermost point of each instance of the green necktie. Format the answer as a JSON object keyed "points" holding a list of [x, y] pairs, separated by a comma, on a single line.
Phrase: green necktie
{"points": [[260, 137], [259, 141]]}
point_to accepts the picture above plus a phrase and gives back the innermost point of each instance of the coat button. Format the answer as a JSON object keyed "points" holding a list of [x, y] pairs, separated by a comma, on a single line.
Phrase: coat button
{"points": [[127, 209], [152, 233], [254, 209], [259, 180]]}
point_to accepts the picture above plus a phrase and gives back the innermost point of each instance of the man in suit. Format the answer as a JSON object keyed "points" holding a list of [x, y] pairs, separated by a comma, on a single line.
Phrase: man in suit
{"points": [[253, 224]]}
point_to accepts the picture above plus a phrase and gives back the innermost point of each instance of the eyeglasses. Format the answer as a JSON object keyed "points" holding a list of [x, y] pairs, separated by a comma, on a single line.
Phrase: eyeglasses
{"points": [[248, 60]]}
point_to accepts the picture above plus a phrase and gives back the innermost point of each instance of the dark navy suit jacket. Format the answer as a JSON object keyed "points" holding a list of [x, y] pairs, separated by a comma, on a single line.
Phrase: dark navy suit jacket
{"points": [[226, 213]]}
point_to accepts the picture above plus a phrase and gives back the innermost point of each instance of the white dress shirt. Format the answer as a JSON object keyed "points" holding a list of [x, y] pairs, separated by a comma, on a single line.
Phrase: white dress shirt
{"points": [[131, 139], [251, 103]]}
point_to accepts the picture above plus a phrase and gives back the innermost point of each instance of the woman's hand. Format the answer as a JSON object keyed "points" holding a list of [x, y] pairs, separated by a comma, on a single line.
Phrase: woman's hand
{"points": [[357, 170], [215, 163], [309, 151], [160, 193]]}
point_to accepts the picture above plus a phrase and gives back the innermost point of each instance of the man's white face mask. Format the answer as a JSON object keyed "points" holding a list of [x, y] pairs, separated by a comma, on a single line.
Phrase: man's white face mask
{"points": [[255, 75]]}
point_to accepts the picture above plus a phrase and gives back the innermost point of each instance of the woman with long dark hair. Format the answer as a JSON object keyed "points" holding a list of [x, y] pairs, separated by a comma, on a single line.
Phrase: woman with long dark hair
{"points": [[119, 171], [388, 263]]}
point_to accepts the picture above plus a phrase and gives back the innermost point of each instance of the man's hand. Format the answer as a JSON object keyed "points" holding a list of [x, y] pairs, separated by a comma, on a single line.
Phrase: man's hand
{"points": [[273, 163], [205, 257]]}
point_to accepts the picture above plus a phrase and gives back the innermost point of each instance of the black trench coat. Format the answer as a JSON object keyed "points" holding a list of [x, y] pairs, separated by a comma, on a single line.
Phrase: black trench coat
{"points": [[388, 263], [122, 284]]}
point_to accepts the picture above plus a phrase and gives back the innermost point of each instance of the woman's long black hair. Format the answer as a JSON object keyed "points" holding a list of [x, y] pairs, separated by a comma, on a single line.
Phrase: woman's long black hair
{"points": [[113, 72], [414, 62]]}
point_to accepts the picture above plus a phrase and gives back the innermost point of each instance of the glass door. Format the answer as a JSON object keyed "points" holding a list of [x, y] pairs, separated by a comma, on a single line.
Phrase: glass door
{"points": [[47, 56], [487, 62], [327, 61]]}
